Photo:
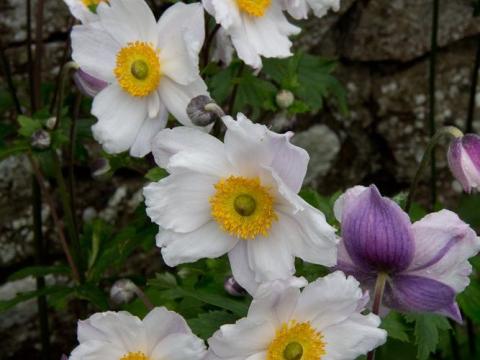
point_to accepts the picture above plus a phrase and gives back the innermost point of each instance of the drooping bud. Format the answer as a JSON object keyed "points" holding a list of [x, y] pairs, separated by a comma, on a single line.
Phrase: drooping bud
{"points": [[123, 291], [203, 111], [233, 288], [41, 140], [100, 168], [88, 84], [51, 123], [464, 161], [284, 99]]}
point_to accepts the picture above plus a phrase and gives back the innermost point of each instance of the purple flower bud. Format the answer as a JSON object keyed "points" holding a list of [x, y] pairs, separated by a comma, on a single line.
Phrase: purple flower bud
{"points": [[377, 233], [41, 140], [123, 291], [233, 288], [87, 84], [464, 161]]}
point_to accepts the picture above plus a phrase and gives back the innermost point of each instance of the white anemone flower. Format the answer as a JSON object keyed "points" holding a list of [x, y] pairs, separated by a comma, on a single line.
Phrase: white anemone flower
{"points": [[151, 69], [323, 321], [237, 197], [256, 28], [161, 335], [84, 10], [299, 9]]}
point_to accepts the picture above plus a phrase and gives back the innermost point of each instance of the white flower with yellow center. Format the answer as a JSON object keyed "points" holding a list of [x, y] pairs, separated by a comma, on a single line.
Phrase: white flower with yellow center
{"points": [[161, 335], [151, 69], [256, 28], [84, 10], [237, 197], [299, 9], [322, 322]]}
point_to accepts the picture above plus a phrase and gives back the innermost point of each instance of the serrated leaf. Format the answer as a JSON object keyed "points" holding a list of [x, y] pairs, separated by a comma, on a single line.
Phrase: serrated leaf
{"points": [[427, 328], [28, 125], [395, 326], [469, 301], [207, 323]]}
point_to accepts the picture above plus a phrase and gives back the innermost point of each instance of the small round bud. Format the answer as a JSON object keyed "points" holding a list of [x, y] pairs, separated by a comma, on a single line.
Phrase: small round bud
{"points": [[123, 291], [284, 99], [41, 140], [203, 111], [100, 168], [233, 288], [51, 123]]}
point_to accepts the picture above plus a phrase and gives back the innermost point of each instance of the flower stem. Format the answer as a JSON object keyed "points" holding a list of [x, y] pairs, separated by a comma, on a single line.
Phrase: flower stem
{"points": [[142, 296], [71, 65], [377, 301], [445, 131], [473, 90]]}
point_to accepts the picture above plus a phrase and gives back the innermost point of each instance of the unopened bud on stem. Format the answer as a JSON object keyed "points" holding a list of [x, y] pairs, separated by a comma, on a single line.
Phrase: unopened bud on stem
{"points": [[284, 99], [233, 288], [203, 111], [41, 140]]}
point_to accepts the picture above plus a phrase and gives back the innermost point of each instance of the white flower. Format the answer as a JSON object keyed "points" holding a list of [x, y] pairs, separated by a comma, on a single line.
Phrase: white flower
{"points": [[324, 321], [299, 9], [238, 197], [256, 28], [151, 69], [161, 335], [222, 47], [84, 10]]}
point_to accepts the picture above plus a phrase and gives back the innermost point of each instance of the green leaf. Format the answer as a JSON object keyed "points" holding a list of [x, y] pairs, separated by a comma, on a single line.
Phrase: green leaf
{"points": [[164, 281], [24, 296], [39, 271], [469, 301], [93, 294], [427, 328], [395, 325], [28, 125], [207, 323], [156, 174], [18, 147]]}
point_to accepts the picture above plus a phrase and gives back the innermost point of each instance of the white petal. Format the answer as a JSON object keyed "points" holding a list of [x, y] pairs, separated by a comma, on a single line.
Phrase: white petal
{"points": [[225, 12], [180, 202], [245, 49], [97, 350], [298, 9], [179, 347], [128, 21], [181, 32], [151, 126], [120, 117], [160, 323], [80, 11], [176, 97], [222, 47], [244, 338], [95, 51], [241, 270], [443, 245], [355, 336], [207, 241], [329, 300], [321, 7], [206, 153], [252, 146]]}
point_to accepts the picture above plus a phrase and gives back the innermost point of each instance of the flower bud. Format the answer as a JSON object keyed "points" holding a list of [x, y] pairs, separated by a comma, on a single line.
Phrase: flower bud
{"points": [[123, 291], [464, 161], [203, 111], [233, 288], [51, 123], [100, 168], [284, 99], [88, 84], [41, 140]]}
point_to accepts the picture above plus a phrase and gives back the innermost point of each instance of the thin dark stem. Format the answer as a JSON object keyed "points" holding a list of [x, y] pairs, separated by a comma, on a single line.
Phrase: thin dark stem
{"points": [[71, 159], [377, 302], [31, 84], [473, 90], [432, 102], [40, 260], [472, 346], [445, 131], [37, 67], [144, 298], [8, 76], [58, 224], [454, 342], [208, 44], [233, 96], [65, 71]]}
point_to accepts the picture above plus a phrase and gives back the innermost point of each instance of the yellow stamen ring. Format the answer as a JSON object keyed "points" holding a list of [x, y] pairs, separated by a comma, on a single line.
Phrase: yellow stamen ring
{"points": [[296, 341], [138, 69], [243, 207], [254, 7], [134, 356], [92, 4]]}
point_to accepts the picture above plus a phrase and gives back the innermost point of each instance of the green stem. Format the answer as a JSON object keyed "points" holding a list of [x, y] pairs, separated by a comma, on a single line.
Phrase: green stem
{"points": [[473, 90], [233, 96], [449, 131], [432, 102], [377, 301], [71, 65]]}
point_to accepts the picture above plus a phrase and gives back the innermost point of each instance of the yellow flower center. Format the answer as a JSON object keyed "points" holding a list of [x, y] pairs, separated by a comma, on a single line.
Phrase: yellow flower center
{"points": [[138, 68], [296, 341], [243, 207], [134, 356], [92, 4], [254, 7]]}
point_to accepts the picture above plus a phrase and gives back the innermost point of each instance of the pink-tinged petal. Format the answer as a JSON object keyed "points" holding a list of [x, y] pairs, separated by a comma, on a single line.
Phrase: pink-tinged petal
{"points": [[208, 241], [179, 347], [88, 84], [464, 161], [97, 350], [471, 144], [346, 264], [345, 200], [443, 245], [421, 294], [250, 146], [377, 233]]}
